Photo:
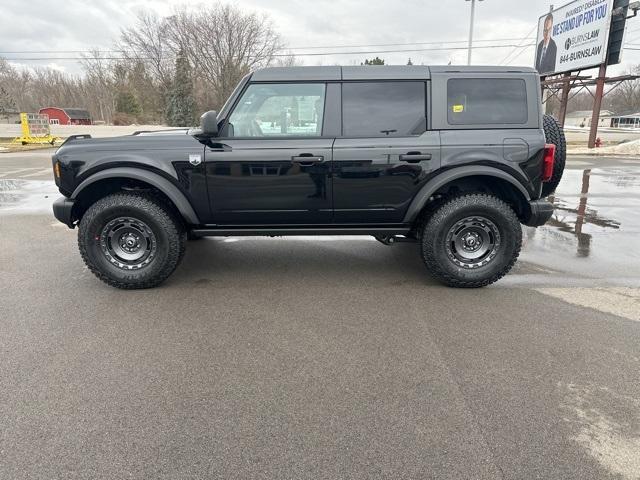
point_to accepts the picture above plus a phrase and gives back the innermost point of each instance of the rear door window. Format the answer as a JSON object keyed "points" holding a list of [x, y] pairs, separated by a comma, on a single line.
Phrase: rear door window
{"points": [[478, 101], [383, 109]]}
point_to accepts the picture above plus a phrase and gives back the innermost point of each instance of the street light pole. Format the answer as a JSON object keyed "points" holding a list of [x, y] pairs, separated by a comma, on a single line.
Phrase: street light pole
{"points": [[473, 12]]}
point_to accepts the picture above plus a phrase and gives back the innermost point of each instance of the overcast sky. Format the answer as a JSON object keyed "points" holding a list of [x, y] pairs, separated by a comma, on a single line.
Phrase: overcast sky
{"points": [[84, 24]]}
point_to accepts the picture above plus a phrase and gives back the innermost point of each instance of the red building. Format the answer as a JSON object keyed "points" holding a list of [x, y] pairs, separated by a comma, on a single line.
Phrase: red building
{"points": [[67, 116]]}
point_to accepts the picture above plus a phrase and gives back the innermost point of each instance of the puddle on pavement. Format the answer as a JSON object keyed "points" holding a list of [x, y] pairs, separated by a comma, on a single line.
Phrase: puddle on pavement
{"points": [[595, 227], [26, 196]]}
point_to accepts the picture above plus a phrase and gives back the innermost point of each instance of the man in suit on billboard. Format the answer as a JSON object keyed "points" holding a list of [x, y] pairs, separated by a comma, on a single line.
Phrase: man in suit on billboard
{"points": [[547, 50]]}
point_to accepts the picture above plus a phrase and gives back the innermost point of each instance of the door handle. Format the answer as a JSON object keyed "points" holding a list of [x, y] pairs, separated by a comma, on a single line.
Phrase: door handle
{"points": [[306, 160], [415, 157]]}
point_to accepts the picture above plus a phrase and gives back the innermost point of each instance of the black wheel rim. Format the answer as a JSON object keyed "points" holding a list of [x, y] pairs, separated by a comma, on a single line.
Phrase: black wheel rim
{"points": [[472, 242], [128, 243]]}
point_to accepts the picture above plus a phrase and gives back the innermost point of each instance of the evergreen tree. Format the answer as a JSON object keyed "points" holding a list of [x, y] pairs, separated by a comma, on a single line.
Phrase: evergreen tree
{"points": [[409, 62], [127, 103], [180, 101], [373, 61]]}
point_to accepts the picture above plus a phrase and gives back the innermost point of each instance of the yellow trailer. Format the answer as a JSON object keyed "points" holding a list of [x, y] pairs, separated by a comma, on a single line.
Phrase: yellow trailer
{"points": [[35, 130]]}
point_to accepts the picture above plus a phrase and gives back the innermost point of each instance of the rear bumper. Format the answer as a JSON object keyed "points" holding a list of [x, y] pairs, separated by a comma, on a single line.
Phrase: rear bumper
{"points": [[541, 211], [62, 210]]}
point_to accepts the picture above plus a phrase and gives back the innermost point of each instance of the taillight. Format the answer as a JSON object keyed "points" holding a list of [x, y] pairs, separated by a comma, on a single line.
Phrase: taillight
{"points": [[547, 163]]}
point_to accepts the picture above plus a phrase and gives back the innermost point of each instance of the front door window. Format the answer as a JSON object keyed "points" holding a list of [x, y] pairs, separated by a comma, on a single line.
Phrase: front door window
{"points": [[279, 110]]}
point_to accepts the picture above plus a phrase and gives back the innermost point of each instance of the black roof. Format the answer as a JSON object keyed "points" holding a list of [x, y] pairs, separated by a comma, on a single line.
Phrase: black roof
{"points": [[77, 113], [371, 72]]}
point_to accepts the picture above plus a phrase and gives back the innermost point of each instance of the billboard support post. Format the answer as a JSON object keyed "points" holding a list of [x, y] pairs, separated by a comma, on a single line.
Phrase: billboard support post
{"points": [[597, 104], [564, 98]]}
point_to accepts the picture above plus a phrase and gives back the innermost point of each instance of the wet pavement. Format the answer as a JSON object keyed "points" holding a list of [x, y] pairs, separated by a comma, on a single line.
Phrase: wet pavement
{"points": [[20, 196], [324, 357], [595, 228], [592, 236]]}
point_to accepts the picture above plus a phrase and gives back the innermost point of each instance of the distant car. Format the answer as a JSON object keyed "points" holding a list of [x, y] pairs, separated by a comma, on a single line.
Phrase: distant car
{"points": [[453, 158]]}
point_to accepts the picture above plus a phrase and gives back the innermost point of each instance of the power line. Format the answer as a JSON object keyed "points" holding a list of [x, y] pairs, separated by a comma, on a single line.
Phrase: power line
{"points": [[402, 44], [527, 36], [61, 51], [310, 47], [513, 59], [310, 54]]}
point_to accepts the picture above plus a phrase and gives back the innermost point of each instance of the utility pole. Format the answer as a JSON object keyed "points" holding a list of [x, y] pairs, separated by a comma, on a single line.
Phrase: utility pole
{"points": [[473, 12]]}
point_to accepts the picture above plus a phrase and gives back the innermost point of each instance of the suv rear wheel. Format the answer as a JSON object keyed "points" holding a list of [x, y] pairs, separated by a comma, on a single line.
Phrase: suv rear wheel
{"points": [[130, 240], [471, 241]]}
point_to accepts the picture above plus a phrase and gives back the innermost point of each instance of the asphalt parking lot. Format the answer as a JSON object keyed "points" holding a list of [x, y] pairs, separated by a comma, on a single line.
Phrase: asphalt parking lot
{"points": [[324, 357]]}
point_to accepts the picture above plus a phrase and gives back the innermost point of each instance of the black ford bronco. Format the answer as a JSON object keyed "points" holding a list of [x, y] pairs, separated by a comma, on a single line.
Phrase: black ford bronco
{"points": [[452, 158]]}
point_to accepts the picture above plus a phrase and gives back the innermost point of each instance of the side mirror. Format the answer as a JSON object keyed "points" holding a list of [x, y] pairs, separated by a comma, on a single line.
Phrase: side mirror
{"points": [[209, 123], [208, 127]]}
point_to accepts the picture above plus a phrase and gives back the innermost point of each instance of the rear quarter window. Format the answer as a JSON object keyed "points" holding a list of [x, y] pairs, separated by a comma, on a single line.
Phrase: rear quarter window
{"points": [[478, 101]]}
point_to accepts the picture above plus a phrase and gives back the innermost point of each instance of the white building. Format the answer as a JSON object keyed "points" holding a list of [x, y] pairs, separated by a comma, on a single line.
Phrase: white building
{"points": [[582, 118], [625, 121]]}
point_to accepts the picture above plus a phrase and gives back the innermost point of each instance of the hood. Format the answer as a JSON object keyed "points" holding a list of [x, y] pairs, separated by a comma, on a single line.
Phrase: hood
{"points": [[142, 140]]}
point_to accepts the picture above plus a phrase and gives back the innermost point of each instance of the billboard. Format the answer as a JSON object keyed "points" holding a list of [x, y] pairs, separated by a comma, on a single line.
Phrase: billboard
{"points": [[573, 37]]}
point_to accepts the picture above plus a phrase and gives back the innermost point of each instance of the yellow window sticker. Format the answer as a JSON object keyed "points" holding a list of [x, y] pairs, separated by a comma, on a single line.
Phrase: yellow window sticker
{"points": [[458, 108]]}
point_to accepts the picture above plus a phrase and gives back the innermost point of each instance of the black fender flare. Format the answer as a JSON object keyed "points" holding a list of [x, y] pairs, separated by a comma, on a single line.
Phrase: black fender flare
{"points": [[159, 182], [432, 186]]}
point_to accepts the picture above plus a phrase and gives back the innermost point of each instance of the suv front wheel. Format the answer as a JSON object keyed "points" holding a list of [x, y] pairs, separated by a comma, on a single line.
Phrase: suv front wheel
{"points": [[131, 240], [471, 241]]}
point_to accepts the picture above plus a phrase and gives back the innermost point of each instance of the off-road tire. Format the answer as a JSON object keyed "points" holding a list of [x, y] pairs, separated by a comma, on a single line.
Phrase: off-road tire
{"points": [[554, 134], [168, 231], [436, 227]]}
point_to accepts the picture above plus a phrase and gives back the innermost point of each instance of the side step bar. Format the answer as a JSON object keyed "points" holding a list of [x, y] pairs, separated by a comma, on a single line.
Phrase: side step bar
{"points": [[277, 231]]}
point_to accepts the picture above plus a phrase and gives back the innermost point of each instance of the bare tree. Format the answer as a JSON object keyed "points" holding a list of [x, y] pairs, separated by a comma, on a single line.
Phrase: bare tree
{"points": [[100, 84], [287, 60], [147, 42], [621, 99], [223, 44], [32, 89], [581, 101], [625, 98], [220, 42], [13, 82]]}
